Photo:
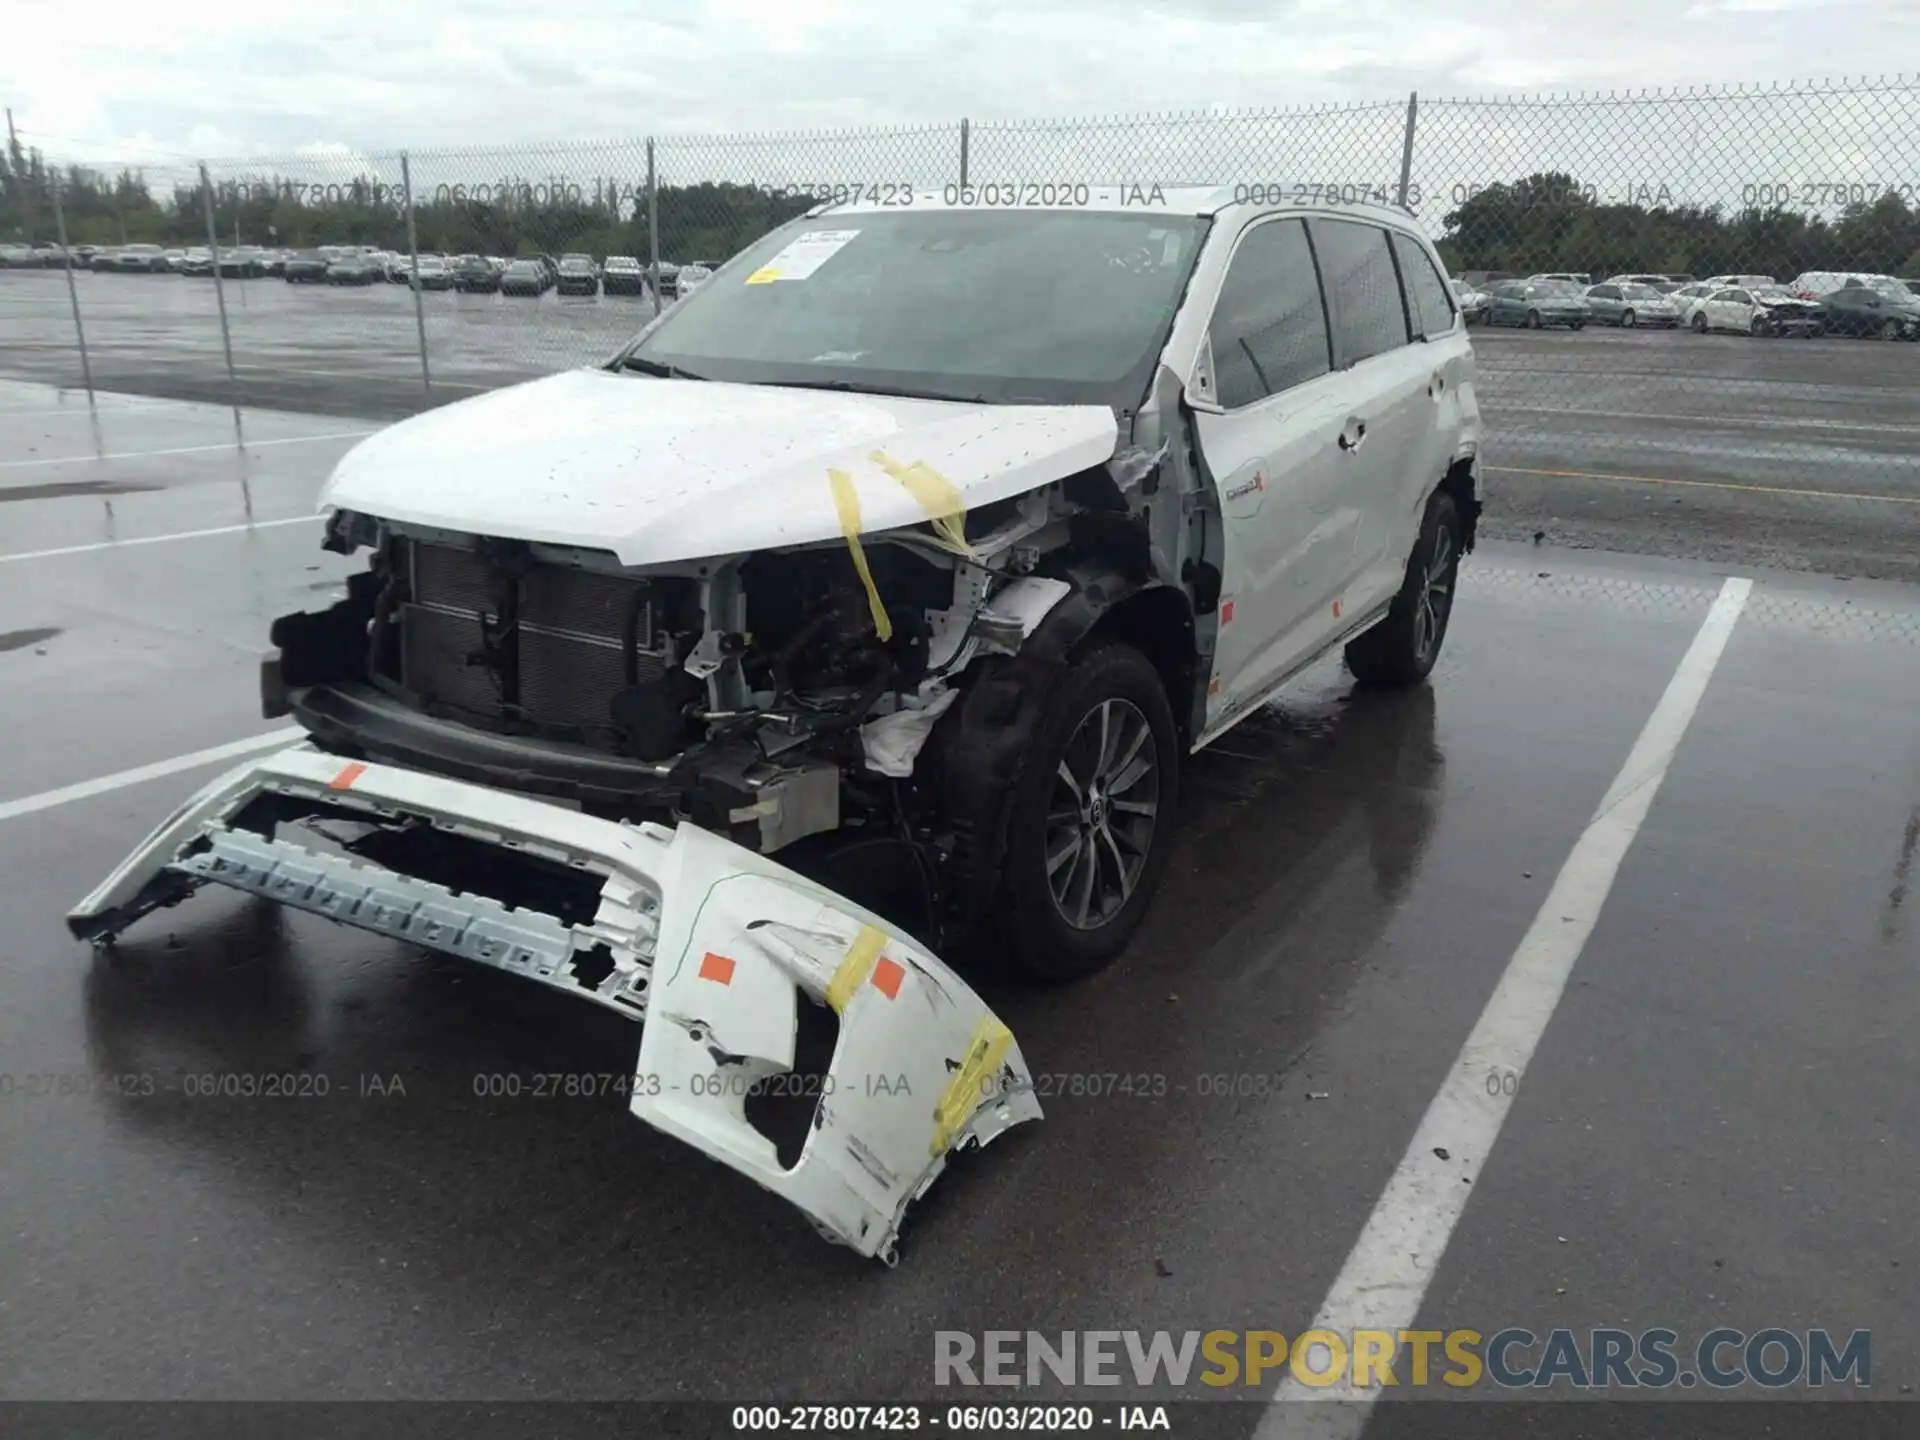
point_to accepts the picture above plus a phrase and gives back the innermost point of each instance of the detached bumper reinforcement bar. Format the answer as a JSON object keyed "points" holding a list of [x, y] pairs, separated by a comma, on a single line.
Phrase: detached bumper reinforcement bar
{"points": [[711, 943]]}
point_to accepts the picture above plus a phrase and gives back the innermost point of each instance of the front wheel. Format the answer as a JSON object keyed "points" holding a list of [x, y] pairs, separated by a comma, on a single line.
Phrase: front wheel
{"points": [[1093, 802], [1626, 321], [1533, 320], [1757, 326], [1891, 330], [1402, 648], [1699, 324]]}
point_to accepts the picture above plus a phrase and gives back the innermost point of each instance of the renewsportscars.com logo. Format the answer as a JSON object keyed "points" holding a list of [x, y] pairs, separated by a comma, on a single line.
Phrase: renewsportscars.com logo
{"points": [[1514, 1358]]}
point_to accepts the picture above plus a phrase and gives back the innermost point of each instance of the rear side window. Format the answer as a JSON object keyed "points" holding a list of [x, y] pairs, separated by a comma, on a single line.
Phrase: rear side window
{"points": [[1269, 330], [1427, 299], [1363, 293]]}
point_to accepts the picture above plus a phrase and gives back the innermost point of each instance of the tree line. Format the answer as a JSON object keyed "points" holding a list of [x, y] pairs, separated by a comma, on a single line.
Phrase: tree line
{"points": [[1549, 222], [1545, 221]]}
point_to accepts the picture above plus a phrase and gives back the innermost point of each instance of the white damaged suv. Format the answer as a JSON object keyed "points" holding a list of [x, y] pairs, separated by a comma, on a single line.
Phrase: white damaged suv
{"points": [[917, 549]]}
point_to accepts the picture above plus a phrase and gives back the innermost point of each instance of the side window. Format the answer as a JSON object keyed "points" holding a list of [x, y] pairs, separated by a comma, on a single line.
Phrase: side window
{"points": [[1269, 329], [1428, 301], [1606, 292], [1739, 297], [1363, 293]]}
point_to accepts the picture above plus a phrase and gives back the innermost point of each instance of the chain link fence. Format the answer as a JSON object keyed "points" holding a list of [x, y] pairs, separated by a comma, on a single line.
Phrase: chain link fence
{"points": [[1787, 216]]}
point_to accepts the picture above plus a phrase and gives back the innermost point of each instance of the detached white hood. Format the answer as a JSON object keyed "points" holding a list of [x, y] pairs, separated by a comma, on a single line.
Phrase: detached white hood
{"points": [[665, 470]]}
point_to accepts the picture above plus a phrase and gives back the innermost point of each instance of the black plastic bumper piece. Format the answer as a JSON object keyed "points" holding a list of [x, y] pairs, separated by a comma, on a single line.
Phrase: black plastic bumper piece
{"points": [[358, 720]]}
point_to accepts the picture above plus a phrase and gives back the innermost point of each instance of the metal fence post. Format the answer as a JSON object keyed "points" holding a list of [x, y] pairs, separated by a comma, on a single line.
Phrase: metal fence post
{"points": [[73, 293], [413, 260], [1406, 149], [966, 135], [219, 286], [653, 228]]}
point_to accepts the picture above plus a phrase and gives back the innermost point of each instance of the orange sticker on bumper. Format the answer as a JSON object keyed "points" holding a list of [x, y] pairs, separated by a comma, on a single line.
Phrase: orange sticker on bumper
{"points": [[717, 968], [344, 780], [887, 975]]}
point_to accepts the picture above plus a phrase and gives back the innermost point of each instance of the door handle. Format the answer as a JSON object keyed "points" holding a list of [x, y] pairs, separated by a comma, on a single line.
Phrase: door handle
{"points": [[1353, 435]]}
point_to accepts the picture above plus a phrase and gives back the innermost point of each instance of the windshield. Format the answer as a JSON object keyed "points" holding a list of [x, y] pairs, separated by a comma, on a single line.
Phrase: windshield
{"points": [[1019, 305], [1558, 287], [1641, 292]]}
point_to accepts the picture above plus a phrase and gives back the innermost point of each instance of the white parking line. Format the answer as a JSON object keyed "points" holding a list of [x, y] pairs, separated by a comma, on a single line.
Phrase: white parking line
{"points": [[66, 794], [1386, 1276], [155, 539], [186, 450]]}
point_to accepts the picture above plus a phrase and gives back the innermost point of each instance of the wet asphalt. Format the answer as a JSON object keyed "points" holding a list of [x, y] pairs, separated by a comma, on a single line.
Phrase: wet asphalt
{"points": [[1717, 1128], [1792, 454]]}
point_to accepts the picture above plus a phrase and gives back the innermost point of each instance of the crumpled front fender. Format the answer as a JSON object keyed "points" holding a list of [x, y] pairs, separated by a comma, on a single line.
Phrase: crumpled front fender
{"points": [[715, 945]]}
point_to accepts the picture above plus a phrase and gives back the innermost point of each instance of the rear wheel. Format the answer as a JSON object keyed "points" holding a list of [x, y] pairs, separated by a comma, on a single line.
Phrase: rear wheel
{"points": [[1699, 324], [1402, 648], [1626, 321], [1533, 319], [1087, 835]]}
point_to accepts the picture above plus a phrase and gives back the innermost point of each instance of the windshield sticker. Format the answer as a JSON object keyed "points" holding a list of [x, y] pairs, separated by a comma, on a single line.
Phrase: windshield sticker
{"points": [[802, 256]]}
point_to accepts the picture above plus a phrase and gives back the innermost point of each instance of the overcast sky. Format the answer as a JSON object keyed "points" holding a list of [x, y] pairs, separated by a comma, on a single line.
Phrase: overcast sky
{"points": [[112, 78]]}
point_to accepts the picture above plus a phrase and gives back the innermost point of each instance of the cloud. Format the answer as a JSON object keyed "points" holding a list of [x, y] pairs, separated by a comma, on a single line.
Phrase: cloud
{"points": [[374, 77]]}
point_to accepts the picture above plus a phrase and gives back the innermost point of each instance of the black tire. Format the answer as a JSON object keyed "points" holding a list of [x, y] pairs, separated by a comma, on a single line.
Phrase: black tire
{"points": [[1891, 329], [1699, 324], [1533, 320], [1401, 649], [1037, 938], [1757, 326], [1576, 324], [1626, 320]]}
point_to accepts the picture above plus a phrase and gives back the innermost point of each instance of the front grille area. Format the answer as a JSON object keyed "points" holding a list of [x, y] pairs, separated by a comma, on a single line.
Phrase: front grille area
{"points": [[558, 668]]}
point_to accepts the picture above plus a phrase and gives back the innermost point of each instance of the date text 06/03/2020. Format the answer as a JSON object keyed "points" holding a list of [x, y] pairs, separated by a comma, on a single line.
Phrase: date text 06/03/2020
{"points": [[1034, 1419]]}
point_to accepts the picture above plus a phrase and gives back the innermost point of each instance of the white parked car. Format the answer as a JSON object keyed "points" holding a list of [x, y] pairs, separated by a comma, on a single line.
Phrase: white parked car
{"points": [[691, 278], [934, 534], [1812, 284], [1760, 310]]}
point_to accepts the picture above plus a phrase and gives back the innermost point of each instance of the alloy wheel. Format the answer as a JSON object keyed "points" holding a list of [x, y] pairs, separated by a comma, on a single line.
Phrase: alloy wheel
{"points": [[1435, 601], [1102, 813]]}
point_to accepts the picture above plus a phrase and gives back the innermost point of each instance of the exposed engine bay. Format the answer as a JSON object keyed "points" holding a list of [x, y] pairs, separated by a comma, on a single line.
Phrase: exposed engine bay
{"points": [[768, 697]]}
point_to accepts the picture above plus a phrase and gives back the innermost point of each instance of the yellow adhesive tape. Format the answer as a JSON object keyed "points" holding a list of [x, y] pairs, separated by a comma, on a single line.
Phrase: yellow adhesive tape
{"points": [[938, 496], [988, 1047], [847, 501], [765, 275], [854, 970]]}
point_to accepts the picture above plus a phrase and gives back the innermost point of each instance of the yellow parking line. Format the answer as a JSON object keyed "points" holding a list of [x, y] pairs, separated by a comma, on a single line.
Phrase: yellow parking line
{"points": [[1703, 484]]}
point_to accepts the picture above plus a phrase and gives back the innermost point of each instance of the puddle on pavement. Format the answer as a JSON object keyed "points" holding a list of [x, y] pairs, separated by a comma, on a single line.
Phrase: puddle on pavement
{"points": [[21, 639], [65, 488]]}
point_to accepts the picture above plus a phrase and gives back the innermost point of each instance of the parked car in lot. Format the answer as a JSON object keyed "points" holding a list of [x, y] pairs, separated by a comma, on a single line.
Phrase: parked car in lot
{"points": [[1761, 310], [354, 269], [1663, 283], [1571, 277], [1472, 302], [575, 276], [691, 278], [1628, 304], [434, 273], [668, 280], [198, 261], [1742, 282], [1815, 284], [19, 257], [1535, 304], [244, 262], [1864, 310], [623, 275], [1688, 296], [526, 277], [1023, 506], [306, 267], [142, 260], [475, 275]]}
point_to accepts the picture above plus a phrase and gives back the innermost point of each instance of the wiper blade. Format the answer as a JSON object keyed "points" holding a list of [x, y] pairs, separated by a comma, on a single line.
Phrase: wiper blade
{"points": [[654, 367], [848, 387]]}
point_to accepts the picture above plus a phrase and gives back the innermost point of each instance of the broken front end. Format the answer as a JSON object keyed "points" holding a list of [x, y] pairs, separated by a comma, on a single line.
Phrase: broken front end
{"points": [[710, 944]]}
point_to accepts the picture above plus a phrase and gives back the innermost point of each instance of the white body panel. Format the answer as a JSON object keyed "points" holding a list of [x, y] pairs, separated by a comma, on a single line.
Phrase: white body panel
{"points": [[712, 944], [665, 470]]}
